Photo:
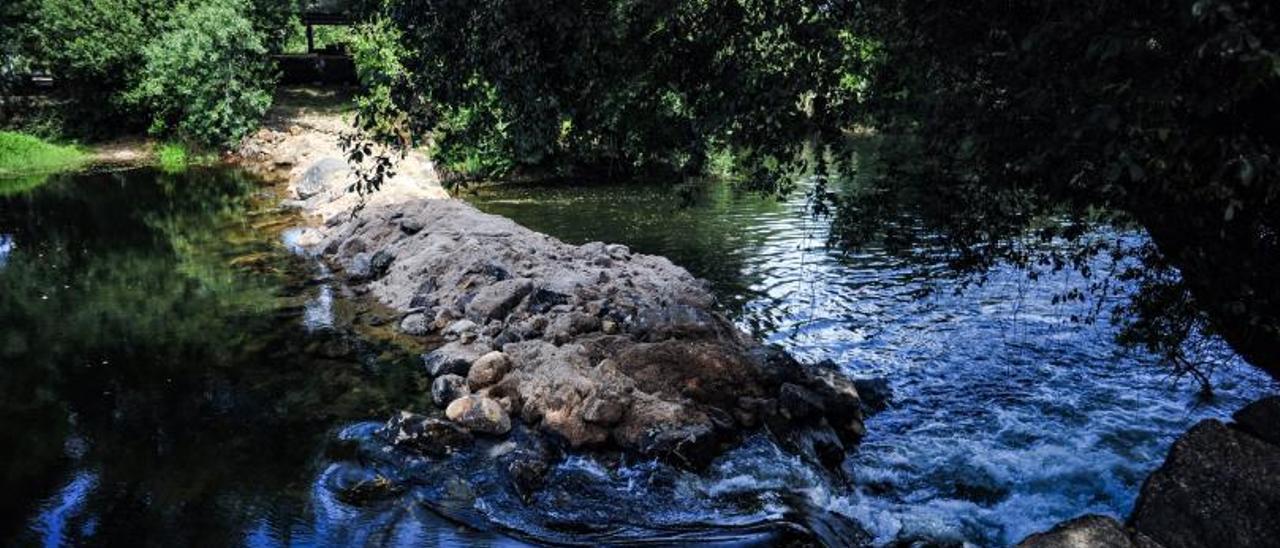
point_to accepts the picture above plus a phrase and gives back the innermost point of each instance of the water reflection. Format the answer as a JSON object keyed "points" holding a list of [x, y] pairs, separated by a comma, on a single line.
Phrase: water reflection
{"points": [[6, 247], [158, 383]]}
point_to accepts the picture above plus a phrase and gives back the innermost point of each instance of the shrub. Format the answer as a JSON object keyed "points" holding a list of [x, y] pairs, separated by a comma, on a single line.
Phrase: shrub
{"points": [[93, 47], [207, 79]]}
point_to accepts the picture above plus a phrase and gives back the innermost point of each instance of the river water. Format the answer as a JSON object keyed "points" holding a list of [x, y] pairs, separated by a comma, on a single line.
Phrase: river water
{"points": [[1007, 416], [172, 372]]}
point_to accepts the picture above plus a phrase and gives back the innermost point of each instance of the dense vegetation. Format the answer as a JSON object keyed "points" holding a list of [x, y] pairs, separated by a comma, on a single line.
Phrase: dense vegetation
{"points": [[192, 70], [995, 119]]}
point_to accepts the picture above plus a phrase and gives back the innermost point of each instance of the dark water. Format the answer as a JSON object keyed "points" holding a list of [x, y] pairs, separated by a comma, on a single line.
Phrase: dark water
{"points": [[172, 374], [1008, 417], [168, 375]]}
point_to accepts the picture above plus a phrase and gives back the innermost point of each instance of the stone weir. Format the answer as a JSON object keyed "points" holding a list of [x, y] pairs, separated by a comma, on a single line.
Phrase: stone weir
{"points": [[593, 345]]}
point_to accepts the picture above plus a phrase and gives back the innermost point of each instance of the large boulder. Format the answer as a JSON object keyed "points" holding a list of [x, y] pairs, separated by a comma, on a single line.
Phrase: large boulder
{"points": [[1219, 486], [488, 369], [495, 301], [1089, 531], [1261, 419], [319, 177], [453, 358], [479, 414]]}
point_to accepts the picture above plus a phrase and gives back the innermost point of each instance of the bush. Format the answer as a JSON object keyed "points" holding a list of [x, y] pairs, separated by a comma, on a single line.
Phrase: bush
{"points": [[93, 47], [208, 79]]}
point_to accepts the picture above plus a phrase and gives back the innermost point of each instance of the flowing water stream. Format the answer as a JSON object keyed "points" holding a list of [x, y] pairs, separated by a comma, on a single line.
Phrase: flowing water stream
{"points": [[170, 369]]}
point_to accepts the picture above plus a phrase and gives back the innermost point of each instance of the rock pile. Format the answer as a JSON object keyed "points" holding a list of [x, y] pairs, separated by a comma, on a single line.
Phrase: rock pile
{"points": [[592, 345]]}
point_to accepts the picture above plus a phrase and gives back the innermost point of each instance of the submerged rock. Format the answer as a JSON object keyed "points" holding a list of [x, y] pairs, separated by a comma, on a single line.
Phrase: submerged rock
{"points": [[425, 435], [358, 486], [479, 414]]}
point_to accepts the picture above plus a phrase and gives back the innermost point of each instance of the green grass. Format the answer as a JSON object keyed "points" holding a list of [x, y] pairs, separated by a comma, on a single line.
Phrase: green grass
{"points": [[24, 155], [172, 157], [177, 157]]}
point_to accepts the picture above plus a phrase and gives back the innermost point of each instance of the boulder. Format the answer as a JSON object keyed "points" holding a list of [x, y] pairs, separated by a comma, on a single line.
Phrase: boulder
{"points": [[458, 329], [452, 358], [488, 369], [1089, 531], [604, 409], [1261, 419], [360, 267], [1218, 487], [529, 465], [415, 324], [875, 392], [817, 443], [479, 414], [567, 326], [542, 300], [495, 301], [798, 403], [380, 263], [411, 225], [446, 388], [317, 178], [427, 436]]}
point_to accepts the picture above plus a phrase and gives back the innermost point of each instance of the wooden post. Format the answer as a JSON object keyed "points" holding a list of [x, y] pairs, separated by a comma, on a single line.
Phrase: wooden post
{"points": [[311, 44]]}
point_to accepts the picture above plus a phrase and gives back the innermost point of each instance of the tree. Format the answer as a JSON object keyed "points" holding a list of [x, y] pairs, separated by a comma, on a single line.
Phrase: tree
{"points": [[616, 87]]}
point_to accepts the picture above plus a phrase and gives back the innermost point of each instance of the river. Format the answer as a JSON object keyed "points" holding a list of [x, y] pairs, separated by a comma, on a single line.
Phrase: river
{"points": [[173, 371]]}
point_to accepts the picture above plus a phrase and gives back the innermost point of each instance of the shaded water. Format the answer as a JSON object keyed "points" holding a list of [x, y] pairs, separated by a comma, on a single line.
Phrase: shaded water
{"points": [[157, 382], [1007, 416]]}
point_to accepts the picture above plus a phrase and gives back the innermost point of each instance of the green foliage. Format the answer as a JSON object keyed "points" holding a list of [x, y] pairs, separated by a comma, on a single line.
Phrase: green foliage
{"points": [[94, 48], [196, 70], [618, 87], [206, 79], [26, 155]]}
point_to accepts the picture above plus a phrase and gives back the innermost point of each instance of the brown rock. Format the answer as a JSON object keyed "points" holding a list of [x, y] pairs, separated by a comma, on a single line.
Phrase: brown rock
{"points": [[479, 414], [488, 369]]}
